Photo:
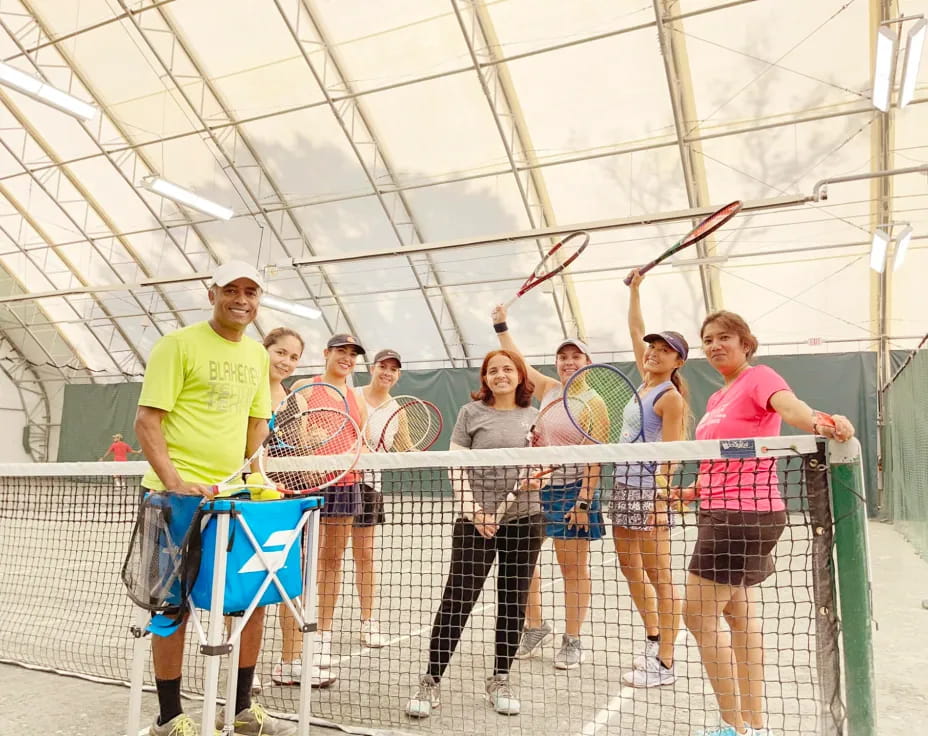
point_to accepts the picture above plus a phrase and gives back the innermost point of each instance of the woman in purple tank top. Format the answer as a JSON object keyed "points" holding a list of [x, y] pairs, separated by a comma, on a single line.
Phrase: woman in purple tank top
{"points": [[641, 521]]}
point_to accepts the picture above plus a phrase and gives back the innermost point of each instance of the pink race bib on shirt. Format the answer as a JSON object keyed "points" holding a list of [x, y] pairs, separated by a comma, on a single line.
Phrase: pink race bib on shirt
{"points": [[742, 410]]}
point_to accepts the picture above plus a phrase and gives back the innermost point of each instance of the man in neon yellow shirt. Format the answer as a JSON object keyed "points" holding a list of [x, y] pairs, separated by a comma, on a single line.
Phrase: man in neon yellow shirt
{"points": [[203, 409]]}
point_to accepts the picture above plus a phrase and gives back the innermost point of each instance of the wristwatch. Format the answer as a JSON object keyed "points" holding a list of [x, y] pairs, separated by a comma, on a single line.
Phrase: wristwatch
{"points": [[582, 505]]}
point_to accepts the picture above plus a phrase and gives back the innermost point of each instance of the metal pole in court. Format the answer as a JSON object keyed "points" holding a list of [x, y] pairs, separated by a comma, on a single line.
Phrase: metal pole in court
{"points": [[854, 594], [310, 621]]}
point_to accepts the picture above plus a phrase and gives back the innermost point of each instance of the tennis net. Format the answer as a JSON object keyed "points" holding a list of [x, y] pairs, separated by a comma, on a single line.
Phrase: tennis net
{"points": [[64, 531]]}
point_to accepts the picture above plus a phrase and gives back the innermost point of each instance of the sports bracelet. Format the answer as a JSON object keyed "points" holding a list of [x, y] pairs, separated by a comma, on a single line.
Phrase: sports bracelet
{"points": [[501, 327]]}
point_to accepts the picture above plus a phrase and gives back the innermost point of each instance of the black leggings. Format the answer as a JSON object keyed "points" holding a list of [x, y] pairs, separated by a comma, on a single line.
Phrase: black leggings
{"points": [[517, 543]]}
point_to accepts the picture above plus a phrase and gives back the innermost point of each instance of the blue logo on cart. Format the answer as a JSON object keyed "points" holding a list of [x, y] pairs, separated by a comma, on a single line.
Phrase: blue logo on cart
{"points": [[737, 448]]}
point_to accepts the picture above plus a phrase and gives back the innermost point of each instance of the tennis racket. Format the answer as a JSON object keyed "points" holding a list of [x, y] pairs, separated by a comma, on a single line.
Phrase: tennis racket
{"points": [[604, 405], [559, 257], [708, 226], [322, 410], [403, 424]]}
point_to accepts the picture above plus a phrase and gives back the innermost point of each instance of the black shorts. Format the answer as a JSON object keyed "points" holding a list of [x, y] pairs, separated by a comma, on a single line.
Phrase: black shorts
{"points": [[372, 511], [736, 547]]}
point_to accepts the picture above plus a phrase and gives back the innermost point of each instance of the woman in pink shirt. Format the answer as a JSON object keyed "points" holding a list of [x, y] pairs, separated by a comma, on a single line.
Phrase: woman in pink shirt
{"points": [[741, 517]]}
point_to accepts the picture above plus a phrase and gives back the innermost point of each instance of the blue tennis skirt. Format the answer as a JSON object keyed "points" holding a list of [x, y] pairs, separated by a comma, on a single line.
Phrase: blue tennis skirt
{"points": [[557, 501]]}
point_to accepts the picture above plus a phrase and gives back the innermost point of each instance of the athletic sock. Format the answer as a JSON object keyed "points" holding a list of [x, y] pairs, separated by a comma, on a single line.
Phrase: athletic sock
{"points": [[168, 700], [246, 676], [655, 637]]}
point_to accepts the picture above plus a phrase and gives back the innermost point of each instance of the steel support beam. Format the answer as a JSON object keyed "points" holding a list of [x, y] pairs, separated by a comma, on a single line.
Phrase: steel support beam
{"points": [[496, 83], [302, 20], [236, 152], [686, 122]]}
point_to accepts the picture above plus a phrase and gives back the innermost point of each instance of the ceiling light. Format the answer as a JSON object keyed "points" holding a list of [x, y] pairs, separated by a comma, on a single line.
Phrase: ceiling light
{"points": [[902, 245], [45, 93], [878, 250], [885, 67], [285, 305], [185, 197], [913, 58]]}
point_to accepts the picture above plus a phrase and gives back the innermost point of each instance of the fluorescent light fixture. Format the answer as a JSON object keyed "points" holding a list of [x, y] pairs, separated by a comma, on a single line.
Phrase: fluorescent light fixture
{"points": [[285, 305], [38, 90], [878, 250], [902, 245], [185, 197], [913, 59], [885, 67]]}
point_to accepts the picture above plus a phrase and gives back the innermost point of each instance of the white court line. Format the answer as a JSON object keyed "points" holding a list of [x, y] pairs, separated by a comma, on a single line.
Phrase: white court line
{"points": [[605, 715]]}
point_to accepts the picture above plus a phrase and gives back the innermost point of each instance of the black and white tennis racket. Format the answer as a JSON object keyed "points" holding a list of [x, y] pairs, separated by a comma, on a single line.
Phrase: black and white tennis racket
{"points": [[705, 228], [403, 424], [558, 257]]}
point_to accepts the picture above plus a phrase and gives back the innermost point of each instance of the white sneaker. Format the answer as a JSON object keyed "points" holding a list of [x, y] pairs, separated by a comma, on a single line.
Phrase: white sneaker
{"points": [[322, 656], [651, 651], [425, 700], [291, 673], [654, 674], [371, 636], [501, 697]]}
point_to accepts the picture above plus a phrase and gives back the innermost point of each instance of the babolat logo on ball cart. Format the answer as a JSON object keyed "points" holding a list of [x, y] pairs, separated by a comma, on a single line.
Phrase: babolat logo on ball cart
{"points": [[273, 549], [737, 448]]}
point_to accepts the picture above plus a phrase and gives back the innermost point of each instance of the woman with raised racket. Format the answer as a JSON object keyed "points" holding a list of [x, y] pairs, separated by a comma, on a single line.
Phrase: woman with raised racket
{"points": [[641, 521], [500, 415], [385, 372], [572, 507], [741, 517], [343, 501]]}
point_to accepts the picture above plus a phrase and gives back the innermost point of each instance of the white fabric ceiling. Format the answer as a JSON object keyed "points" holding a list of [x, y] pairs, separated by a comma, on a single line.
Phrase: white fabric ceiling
{"points": [[336, 127]]}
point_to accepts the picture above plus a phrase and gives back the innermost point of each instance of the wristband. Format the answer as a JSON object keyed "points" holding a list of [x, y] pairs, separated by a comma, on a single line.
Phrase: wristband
{"points": [[501, 327], [582, 505]]}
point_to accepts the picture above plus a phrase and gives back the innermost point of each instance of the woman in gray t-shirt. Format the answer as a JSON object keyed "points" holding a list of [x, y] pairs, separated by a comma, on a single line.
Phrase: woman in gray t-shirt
{"points": [[501, 415]]}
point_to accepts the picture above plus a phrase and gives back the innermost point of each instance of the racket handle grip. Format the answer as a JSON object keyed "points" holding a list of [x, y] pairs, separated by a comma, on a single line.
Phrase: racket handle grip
{"points": [[642, 271], [509, 303]]}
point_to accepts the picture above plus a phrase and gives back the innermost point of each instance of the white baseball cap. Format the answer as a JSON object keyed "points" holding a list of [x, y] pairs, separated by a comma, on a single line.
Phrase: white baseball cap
{"points": [[232, 270]]}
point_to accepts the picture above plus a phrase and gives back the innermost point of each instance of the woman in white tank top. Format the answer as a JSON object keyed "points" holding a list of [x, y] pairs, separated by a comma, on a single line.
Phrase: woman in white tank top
{"points": [[385, 372]]}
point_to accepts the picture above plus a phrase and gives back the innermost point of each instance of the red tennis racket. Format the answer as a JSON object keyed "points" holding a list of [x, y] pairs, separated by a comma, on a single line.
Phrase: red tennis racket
{"points": [[559, 257], [705, 228]]}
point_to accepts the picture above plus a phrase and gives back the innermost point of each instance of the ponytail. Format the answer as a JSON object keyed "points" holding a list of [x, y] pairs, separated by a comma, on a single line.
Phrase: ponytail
{"points": [[677, 379]]}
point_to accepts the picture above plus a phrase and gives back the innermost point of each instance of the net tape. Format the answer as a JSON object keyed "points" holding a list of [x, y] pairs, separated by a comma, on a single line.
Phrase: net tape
{"points": [[64, 534]]}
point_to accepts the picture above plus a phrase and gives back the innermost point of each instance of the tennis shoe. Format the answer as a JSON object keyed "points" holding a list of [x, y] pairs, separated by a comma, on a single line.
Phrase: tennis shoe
{"points": [[179, 725], [760, 731], [322, 656], [501, 697], [725, 730], [651, 651], [291, 673], [532, 640], [570, 655], [371, 636], [654, 674], [425, 700], [255, 721]]}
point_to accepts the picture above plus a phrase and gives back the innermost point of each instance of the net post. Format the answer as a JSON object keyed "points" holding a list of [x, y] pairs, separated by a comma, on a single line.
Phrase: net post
{"points": [[853, 565], [831, 706]]}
